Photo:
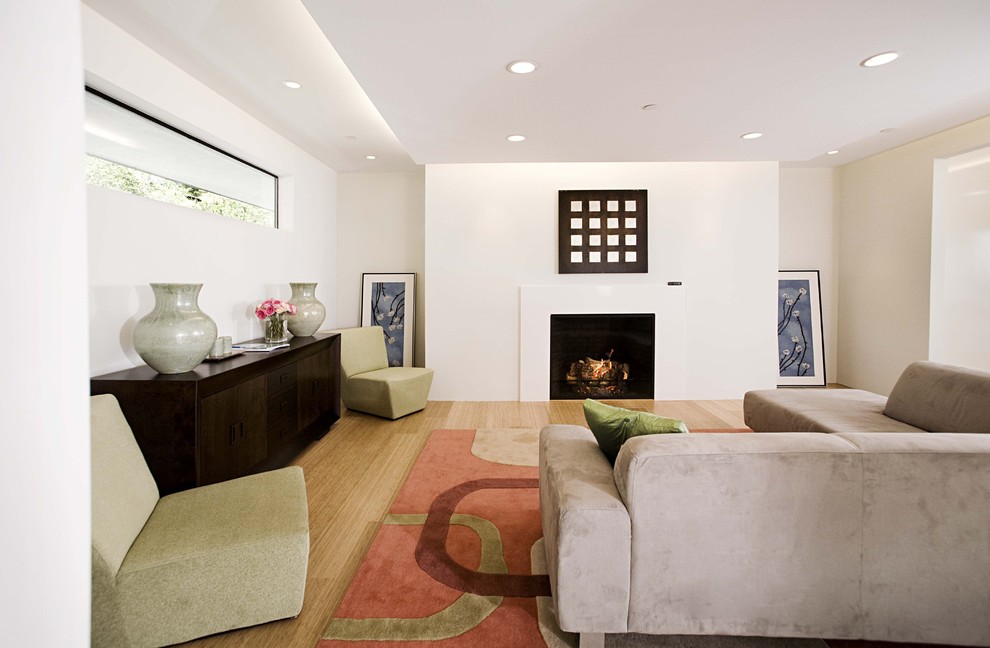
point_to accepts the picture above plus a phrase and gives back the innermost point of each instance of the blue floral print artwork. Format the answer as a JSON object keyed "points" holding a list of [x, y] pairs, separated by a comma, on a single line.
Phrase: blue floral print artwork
{"points": [[388, 310], [796, 353]]}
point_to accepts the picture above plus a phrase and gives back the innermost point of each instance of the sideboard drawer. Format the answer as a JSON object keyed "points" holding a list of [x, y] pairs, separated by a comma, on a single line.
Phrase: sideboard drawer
{"points": [[283, 407], [282, 378]]}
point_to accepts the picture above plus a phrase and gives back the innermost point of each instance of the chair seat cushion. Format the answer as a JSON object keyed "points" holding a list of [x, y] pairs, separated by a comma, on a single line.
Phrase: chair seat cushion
{"points": [[390, 393], [394, 375], [219, 557]]}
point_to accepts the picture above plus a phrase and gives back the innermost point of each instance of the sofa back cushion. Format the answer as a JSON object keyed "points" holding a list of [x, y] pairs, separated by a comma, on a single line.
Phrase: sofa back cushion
{"points": [[742, 534], [124, 492], [941, 398]]}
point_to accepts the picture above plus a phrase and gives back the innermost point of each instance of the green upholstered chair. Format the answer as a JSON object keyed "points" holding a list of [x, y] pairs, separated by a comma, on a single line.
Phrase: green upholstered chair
{"points": [[369, 385], [194, 563]]}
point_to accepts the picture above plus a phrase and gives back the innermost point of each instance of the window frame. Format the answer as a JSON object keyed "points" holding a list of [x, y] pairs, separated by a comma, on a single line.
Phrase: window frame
{"points": [[178, 131]]}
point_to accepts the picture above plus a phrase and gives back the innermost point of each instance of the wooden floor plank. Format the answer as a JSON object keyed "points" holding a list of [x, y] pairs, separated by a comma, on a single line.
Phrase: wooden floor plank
{"points": [[355, 471]]}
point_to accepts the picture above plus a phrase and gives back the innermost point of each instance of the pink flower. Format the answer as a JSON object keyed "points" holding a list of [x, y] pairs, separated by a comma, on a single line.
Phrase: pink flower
{"points": [[271, 307]]}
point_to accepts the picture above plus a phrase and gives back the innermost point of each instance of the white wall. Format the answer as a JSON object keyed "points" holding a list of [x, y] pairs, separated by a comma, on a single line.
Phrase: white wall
{"points": [[135, 241], [44, 412], [491, 228], [380, 229], [808, 200], [960, 284], [884, 242]]}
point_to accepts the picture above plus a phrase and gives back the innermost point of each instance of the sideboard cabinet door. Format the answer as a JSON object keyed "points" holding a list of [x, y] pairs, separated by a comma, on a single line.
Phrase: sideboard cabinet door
{"points": [[233, 431], [317, 373]]}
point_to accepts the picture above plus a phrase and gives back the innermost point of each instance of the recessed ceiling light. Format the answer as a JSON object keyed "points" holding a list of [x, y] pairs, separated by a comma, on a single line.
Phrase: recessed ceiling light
{"points": [[370, 157], [751, 135], [295, 85], [521, 67], [832, 152], [879, 59], [516, 138], [649, 107]]}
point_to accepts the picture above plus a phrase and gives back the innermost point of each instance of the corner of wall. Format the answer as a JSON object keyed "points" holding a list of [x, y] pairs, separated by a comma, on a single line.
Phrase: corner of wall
{"points": [[884, 246]]}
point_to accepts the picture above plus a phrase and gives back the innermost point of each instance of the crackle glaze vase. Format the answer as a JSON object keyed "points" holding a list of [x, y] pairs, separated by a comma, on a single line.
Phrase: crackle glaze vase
{"points": [[310, 313], [176, 335]]}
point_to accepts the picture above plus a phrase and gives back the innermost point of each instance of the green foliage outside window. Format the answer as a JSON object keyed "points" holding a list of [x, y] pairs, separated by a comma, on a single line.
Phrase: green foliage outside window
{"points": [[111, 175]]}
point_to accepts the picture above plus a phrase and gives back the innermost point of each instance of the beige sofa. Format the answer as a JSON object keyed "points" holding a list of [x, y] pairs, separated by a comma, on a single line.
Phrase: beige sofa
{"points": [[849, 535], [928, 397]]}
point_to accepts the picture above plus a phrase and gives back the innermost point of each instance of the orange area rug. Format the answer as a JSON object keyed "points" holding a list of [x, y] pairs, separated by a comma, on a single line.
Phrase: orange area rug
{"points": [[459, 560], [453, 562]]}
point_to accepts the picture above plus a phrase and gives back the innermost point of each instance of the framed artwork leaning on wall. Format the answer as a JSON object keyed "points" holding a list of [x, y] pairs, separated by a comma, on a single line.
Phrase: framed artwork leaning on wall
{"points": [[388, 300], [800, 349]]}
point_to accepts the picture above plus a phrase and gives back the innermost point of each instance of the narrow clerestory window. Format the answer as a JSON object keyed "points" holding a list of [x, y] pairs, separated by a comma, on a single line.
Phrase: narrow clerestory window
{"points": [[130, 151]]}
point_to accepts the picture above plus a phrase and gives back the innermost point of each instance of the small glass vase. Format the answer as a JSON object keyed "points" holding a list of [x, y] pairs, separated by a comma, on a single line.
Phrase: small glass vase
{"points": [[276, 329]]}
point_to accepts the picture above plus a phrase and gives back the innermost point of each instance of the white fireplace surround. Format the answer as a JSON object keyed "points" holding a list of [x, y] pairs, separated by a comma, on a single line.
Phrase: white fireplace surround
{"points": [[538, 303]]}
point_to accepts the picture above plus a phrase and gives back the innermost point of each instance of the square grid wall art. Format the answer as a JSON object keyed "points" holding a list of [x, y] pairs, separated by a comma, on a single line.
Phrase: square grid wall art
{"points": [[602, 230]]}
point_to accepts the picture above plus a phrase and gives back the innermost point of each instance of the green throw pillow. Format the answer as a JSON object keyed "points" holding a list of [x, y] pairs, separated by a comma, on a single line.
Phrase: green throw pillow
{"points": [[613, 426]]}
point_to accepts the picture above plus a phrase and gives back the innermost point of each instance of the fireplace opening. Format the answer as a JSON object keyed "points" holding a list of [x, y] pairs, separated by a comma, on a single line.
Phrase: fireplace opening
{"points": [[602, 356]]}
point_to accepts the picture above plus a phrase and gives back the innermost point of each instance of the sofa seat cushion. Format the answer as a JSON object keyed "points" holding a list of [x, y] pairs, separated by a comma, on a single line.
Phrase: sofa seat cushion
{"points": [[819, 410], [215, 558], [941, 398]]}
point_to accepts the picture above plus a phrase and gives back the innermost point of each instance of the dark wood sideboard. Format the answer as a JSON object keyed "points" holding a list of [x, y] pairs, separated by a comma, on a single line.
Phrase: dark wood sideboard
{"points": [[232, 417]]}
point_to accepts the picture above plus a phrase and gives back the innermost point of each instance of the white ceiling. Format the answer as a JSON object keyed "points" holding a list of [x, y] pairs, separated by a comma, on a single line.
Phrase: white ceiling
{"points": [[424, 81]]}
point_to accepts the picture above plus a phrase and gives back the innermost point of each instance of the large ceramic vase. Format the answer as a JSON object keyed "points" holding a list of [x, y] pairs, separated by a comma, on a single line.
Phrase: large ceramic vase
{"points": [[176, 335], [310, 313]]}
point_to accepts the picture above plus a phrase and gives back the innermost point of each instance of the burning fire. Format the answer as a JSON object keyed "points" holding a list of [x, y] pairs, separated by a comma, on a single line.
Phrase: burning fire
{"points": [[602, 368], [590, 376]]}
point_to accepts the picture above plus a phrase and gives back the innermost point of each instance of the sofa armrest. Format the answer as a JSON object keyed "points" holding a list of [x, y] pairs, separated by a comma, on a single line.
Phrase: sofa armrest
{"points": [[586, 532]]}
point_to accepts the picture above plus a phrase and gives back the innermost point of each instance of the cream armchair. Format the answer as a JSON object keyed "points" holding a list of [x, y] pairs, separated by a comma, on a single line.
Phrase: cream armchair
{"points": [[369, 385], [194, 563]]}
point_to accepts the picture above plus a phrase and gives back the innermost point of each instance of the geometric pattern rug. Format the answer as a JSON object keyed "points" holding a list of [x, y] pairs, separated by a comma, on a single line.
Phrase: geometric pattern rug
{"points": [[458, 561], [453, 562]]}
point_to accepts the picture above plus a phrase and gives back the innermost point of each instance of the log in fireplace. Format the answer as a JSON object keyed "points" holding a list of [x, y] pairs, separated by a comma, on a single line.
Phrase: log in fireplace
{"points": [[602, 356]]}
